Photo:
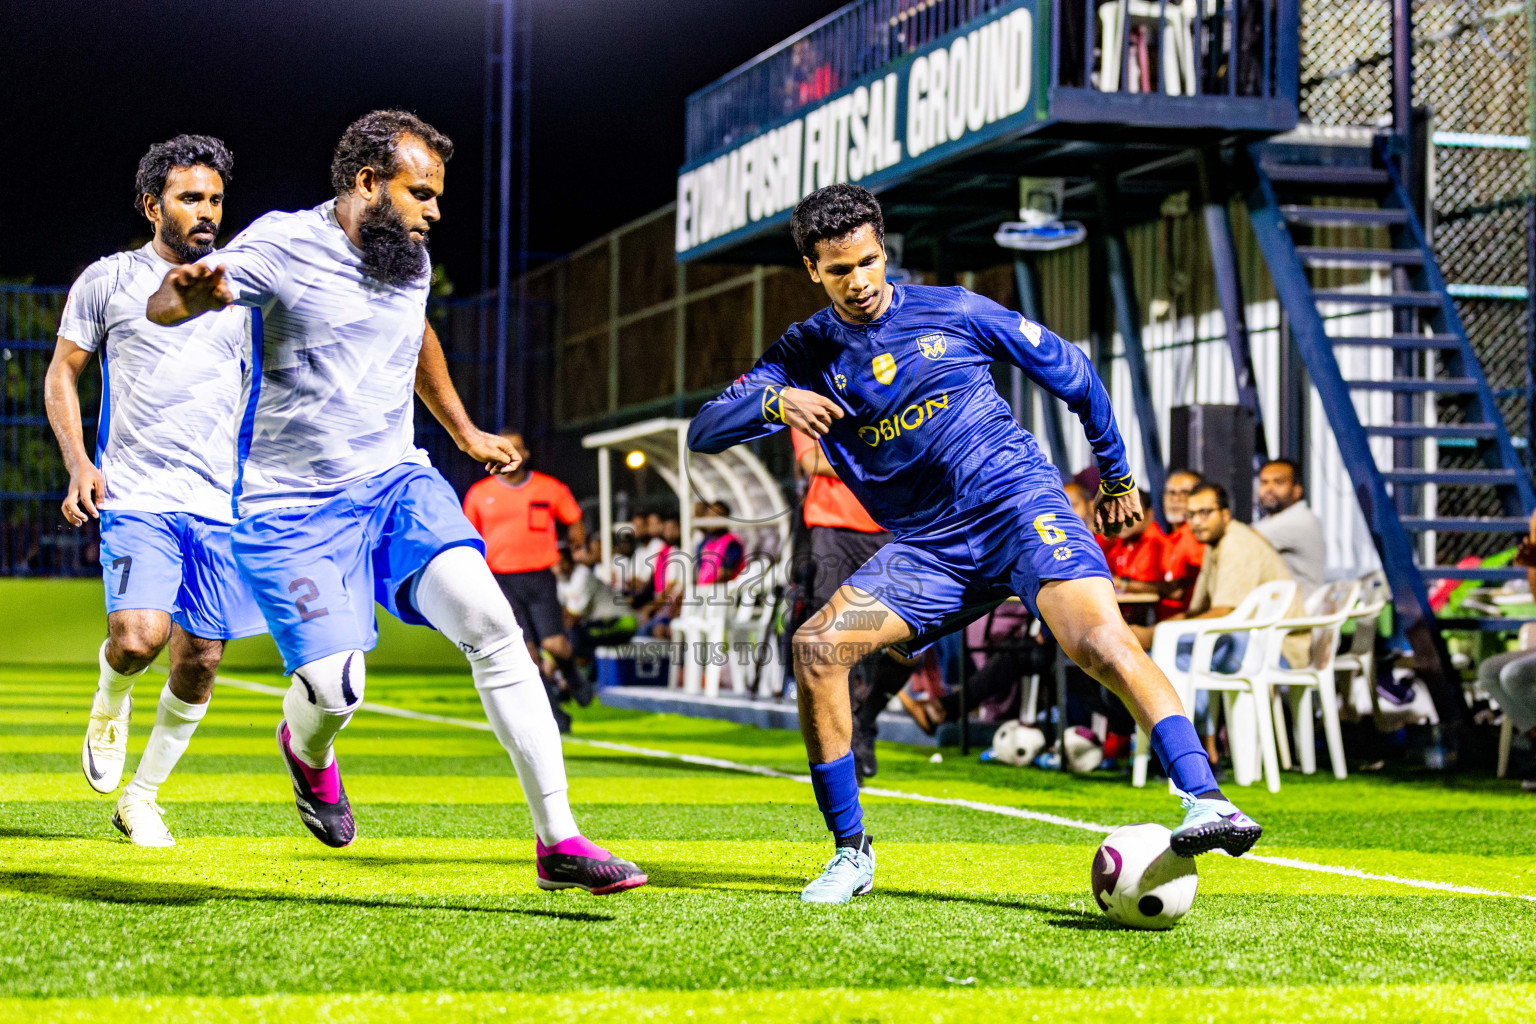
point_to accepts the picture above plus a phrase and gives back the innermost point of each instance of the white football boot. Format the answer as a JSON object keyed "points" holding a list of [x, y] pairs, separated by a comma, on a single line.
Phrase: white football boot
{"points": [[106, 746], [140, 820]]}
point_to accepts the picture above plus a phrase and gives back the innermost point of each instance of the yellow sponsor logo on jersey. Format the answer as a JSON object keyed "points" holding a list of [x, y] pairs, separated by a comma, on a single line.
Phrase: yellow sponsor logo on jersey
{"points": [[884, 366], [904, 422], [932, 345], [841, 381]]}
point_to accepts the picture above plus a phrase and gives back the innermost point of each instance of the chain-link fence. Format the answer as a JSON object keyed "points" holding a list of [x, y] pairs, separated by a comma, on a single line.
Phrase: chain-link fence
{"points": [[1471, 72]]}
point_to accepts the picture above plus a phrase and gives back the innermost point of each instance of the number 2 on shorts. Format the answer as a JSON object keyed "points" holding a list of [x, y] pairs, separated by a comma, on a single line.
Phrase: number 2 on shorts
{"points": [[301, 602]]}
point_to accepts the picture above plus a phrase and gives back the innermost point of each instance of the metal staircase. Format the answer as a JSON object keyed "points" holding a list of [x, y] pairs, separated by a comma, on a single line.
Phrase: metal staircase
{"points": [[1319, 195]]}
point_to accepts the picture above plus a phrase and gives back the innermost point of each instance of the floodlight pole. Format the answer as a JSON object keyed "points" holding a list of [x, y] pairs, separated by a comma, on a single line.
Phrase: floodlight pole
{"points": [[1402, 84]]}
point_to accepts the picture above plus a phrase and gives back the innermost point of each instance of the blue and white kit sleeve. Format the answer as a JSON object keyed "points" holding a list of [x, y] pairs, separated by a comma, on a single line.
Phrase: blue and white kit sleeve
{"points": [[1061, 368], [254, 265], [747, 410], [84, 320]]}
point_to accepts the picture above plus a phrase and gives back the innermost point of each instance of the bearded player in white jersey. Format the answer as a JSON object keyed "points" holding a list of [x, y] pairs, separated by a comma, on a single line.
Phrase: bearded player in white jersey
{"points": [[161, 478], [339, 508]]}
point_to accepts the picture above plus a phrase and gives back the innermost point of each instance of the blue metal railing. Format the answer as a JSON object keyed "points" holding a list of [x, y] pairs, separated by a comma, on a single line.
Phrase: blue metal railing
{"points": [[811, 65], [1208, 48]]}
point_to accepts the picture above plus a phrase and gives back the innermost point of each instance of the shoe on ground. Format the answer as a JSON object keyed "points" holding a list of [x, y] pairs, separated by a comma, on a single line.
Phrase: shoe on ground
{"points": [[926, 712], [106, 745], [1528, 785], [850, 873], [331, 821], [1213, 825], [579, 863], [141, 821]]}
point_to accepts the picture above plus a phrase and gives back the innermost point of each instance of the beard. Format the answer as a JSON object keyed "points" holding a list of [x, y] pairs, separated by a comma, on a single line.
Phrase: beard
{"points": [[185, 249], [389, 255]]}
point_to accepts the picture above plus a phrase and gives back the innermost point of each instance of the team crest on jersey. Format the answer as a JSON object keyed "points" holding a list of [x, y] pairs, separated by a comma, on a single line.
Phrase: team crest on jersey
{"points": [[884, 366], [1030, 330], [840, 381], [932, 345]]}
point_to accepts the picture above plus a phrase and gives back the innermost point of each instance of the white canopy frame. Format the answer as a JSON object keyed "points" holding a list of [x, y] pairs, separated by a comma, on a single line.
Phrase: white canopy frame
{"points": [[735, 476]]}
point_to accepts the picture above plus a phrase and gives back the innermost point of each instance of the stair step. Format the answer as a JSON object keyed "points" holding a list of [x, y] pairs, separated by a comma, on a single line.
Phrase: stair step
{"points": [[1342, 216], [1451, 572], [1423, 299], [1480, 524], [1326, 174], [1451, 477], [1411, 431], [1430, 343], [1414, 385], [1315, 254]]}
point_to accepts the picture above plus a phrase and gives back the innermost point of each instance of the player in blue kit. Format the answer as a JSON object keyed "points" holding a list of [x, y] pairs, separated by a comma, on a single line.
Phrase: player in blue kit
{"points": [[338, 508], [896, 384]]}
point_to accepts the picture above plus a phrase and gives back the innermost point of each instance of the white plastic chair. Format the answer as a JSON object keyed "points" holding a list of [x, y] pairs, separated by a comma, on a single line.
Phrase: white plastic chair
{"points": [[1327, 611], [1178, 57], [1507, 728], [1250, 731], [1358, 664]]}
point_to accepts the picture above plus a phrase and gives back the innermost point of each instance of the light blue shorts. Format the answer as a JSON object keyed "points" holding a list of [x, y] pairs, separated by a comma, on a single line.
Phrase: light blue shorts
{"points": [[177, 563], [317, 571]]}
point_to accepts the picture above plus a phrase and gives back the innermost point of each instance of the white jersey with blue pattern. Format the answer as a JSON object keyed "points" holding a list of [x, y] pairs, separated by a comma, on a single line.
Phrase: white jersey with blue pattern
{"points": [[330, 401], [165, 439]]}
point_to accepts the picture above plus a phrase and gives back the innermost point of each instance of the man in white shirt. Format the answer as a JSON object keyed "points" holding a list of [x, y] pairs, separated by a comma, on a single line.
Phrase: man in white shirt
{"points": [[161, 476], [338, 507], [1290, 526]]}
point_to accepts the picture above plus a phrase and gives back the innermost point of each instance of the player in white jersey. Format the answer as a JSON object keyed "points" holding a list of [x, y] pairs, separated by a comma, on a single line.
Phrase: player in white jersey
{"points": [[162, 476], [339, 508]]}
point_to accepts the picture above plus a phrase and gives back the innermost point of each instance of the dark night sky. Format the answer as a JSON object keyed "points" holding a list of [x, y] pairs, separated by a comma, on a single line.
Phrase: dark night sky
{"points": [[86, 85]]}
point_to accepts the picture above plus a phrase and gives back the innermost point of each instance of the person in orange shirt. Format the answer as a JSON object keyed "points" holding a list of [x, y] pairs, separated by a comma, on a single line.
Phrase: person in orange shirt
{"points": [[1183, 554], [844, 537], [516, 514]]}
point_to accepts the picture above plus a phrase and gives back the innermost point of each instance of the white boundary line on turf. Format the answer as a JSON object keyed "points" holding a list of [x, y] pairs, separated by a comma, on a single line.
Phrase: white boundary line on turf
{"points": [[897, 794]]}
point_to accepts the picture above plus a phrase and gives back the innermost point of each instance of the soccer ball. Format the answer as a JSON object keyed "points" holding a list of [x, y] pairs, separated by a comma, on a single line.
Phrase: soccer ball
{"points": [[1082, 750], [1016, 743], [1139, 882]]}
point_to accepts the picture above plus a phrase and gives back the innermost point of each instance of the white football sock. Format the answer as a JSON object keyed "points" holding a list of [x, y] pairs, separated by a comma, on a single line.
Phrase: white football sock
{"points": [[457, 593], [324, 695], [113, 685], [175, 722]]}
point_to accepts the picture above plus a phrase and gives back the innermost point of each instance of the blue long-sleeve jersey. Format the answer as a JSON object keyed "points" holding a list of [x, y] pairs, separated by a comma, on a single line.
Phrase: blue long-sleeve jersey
{"points": [[924, 431]]}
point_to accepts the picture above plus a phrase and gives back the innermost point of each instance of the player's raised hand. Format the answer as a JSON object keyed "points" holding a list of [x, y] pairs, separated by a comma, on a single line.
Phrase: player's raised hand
{"points": [[189, 290], [1114, 514], [492, 451], [86, 489], [809, 412]]}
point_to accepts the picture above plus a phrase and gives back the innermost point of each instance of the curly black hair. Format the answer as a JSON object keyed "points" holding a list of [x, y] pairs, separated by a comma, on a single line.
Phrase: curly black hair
{"points": [[832, 212], [370, 141], [182, 151]]}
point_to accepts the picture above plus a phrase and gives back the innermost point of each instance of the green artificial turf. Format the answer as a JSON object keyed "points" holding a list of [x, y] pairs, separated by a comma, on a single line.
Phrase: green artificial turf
{"points": [[433, 913]]}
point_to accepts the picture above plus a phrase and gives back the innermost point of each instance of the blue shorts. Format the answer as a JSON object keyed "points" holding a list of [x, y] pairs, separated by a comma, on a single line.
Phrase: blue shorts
{"points": [[177, 563], [955, 570], [317, 571]]}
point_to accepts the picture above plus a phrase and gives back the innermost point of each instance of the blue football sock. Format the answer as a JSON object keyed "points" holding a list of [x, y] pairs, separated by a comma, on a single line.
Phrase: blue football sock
{"points": [[837, 794], [1178, 747]]}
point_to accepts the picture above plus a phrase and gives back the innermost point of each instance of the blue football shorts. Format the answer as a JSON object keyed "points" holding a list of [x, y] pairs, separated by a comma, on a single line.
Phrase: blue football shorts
{"points": [[958, 568], [180, 564], [317, 571]]}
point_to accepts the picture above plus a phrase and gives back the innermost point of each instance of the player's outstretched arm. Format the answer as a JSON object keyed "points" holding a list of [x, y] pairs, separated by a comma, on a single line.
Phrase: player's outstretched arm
{"points": [[761, 402], [188, 291], [61, 397], [1060, 367], [435, 388]]}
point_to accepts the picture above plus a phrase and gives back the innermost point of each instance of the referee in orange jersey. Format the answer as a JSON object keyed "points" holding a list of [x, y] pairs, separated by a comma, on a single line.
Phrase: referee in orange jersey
{"points": [[844, 537], [516, 514]]}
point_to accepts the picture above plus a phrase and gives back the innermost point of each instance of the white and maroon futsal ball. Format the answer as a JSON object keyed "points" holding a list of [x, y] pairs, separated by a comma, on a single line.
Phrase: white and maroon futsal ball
{"points": [[1139, 882]]}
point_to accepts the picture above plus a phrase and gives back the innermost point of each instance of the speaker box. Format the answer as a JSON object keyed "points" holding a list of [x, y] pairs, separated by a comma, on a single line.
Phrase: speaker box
{"points": [[1216, 441]]}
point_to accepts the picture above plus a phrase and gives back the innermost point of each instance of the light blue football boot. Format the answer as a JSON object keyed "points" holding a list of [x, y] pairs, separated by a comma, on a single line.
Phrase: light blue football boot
{"points": [[1213, 824], [850, 873]]}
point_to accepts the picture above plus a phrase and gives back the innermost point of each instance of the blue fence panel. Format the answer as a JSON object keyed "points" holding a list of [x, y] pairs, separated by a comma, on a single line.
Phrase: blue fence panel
{"points": [[34, 538]]}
